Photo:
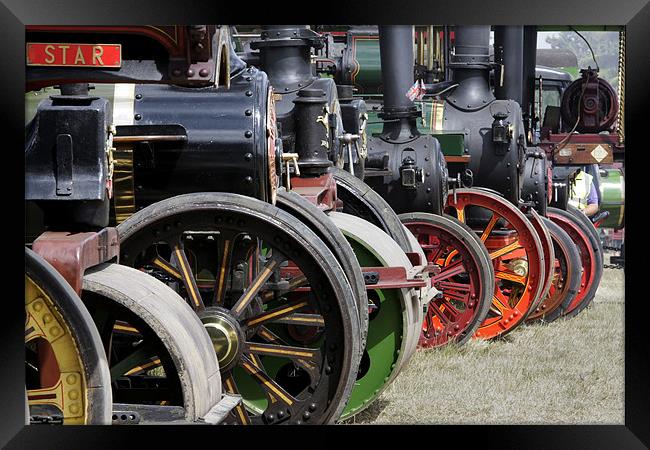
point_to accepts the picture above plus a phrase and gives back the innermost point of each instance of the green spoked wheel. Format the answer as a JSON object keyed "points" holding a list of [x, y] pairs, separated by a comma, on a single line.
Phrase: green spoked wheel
{"points": [[319, 223], [395, 315], [275, 301], [66, 370]]}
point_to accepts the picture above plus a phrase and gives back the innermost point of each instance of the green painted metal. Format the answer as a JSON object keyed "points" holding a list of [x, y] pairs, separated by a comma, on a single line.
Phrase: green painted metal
{"points": [[366, 76], [384, 340], [612, 189], [452, 143]]}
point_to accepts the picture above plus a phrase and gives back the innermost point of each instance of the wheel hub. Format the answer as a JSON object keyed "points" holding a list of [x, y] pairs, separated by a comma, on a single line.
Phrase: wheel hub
{"points": [[226, 335]]}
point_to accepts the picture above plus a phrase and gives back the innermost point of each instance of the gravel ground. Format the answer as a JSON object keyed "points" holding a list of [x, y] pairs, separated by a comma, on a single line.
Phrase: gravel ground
{"points": [[566, 372]]}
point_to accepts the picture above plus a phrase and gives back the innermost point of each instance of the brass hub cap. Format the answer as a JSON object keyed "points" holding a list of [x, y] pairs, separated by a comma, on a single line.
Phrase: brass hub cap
{"points": [[226, 336]]}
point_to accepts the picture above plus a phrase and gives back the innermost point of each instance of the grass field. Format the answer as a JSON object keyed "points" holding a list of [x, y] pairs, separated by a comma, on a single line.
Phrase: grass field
{"points": [[566, 372]]}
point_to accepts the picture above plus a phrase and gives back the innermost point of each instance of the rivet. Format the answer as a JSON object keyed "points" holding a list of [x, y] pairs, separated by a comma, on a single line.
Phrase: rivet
{"points": [[248, 133], [38, 305], [73, 395], [248, 180], [138, 116], [189, 73], [248, 112], [71, 379], [249, 78], [204, 72], [248, 156], [312, 407], [249, 93], [47, 318], [74, 409], [138, 96], [54, 331], [306, 415]]}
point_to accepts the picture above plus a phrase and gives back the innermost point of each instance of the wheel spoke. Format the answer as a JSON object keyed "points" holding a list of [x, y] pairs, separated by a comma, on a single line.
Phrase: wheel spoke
{"points": [[151, 364], [312, 320], [277, 313], [267, 383], [293, 284], [441, 316], [505, 250], [255, 286], [269, 336], [140, 355], [450, 308], [166, 266], [225, 255], [240, 412], [188, 278], [283, 351], [501, 306], [510, 276], [488, 229], [448, 272]]}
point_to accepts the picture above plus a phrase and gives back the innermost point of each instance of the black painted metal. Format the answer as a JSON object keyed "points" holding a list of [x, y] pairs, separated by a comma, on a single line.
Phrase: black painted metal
{"points": [[509, 53], [226, 147], [535, 187], [493, 129], [405, 167], [528, 88], [312, 131], [66, 167]]}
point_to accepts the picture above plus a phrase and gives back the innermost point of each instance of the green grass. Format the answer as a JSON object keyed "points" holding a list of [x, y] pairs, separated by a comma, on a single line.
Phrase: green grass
{"points": [[566, 372]]}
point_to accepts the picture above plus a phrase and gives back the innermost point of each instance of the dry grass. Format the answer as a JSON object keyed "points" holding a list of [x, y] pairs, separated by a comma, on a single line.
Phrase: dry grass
{"points": [[566, 372]]}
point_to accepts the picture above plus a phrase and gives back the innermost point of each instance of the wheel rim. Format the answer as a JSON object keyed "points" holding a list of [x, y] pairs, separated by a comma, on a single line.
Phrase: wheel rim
{"points": [[452, 314], [587, 257], [391, 341], [512, 245], [243, 269], [66, 370], [562, 285], [549, 256]]}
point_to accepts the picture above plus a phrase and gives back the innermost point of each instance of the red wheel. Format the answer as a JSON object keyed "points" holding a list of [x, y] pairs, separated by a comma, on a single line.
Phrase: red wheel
{"points": [[516, 254], [465, 281], [565, 279], [549, 255], [580, 237]]}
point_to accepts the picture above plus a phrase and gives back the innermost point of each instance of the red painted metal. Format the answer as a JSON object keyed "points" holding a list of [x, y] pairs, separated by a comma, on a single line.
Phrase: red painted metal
{"points": [[549, 256], [587, 256], [514, 294], [450, 313], [74, 55], [72, 253], [320, 191]]}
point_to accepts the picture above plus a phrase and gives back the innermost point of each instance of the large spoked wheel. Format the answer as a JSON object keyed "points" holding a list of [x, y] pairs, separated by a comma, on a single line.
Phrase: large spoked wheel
{"points": [[465, 282], [326, 230], [549, 254], [395, 314], [273, 298], [360, 200], [515, 251], [589, 258], [67, 373], [159, 352], [565, 276]]}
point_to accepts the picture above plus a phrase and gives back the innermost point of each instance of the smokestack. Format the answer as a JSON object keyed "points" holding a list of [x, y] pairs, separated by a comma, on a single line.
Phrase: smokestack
{"points": [[397, 63], [471, 68], [509, 52]]}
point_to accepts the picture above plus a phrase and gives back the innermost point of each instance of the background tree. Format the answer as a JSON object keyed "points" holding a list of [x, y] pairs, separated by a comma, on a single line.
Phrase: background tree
{"points": [[604, 44]]}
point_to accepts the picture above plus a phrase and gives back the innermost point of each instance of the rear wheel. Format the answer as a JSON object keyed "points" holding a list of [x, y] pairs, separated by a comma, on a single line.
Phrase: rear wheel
{"points": [[590, 257], [395, 314], [274, 299], [565, 276]]}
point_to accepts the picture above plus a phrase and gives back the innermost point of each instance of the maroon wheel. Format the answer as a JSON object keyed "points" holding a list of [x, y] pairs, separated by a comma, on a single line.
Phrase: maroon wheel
{"points": [[465, 281], [579, 235], [565, 277]]}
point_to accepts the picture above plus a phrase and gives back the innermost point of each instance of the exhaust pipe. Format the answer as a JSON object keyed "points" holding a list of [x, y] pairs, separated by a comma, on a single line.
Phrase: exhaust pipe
{"points": [[509, 53], [397, 62]]}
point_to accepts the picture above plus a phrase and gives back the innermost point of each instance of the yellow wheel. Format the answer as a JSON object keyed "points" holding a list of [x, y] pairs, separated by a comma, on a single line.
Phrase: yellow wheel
{"points": [[67, 377]]}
